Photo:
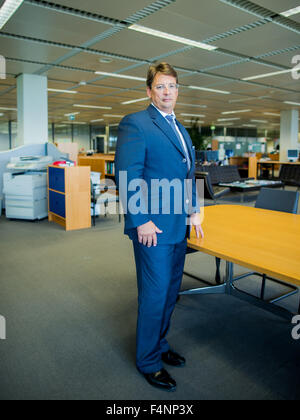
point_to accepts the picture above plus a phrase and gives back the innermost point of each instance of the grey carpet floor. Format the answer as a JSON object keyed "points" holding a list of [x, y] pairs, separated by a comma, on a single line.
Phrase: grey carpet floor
{"points": [[69, 300]]}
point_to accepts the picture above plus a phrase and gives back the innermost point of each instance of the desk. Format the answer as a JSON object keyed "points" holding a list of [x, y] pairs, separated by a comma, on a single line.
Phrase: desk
{"points": [[272, 163], [251, 185], [261, 240]]}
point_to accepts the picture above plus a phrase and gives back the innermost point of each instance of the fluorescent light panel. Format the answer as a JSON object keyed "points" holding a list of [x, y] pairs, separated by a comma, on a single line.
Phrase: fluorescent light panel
{"points": [[120, 76], [74, 122], [193, 115], [209, 90], [272, 114], [236, 112], [171, 37], [113, 116], [260, 121], [291, 12], [62, 91], [8, 109], [228, 119], [251, 98], [134, 101], [192, 105], [72, 113], [92, 106], [192, 121], [292, 103], [93, 121], [261, 76], [8, 9]]}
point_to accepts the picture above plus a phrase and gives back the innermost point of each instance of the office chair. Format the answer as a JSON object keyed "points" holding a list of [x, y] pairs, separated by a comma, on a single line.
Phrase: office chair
{"points": [[104, 199], [276, 200]]}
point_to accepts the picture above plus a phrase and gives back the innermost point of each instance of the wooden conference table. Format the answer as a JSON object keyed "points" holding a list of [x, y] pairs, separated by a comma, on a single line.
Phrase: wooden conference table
{"points": [[264, 241]]}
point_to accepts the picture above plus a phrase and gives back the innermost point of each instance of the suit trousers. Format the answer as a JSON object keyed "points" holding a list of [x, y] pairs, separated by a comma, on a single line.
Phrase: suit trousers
{"points": [[159, 277]]}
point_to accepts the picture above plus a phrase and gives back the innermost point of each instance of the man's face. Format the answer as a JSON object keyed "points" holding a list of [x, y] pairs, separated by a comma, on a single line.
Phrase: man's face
{"points": [[164, 92]]}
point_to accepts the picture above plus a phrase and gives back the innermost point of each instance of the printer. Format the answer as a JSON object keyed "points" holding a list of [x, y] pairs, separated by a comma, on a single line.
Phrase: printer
{"points": [[25, 188]]}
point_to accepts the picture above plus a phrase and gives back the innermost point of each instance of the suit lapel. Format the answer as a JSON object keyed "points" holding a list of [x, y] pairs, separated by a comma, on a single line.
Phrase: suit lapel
{"points": [[188, 141], [165, 127]]}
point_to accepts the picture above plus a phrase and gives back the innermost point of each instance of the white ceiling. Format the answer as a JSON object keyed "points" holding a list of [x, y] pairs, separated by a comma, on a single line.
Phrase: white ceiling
{"points": [[42, 37]]}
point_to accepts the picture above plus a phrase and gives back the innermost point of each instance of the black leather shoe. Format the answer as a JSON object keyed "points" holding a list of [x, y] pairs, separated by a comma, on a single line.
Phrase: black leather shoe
{"points": [[173, 359], [162, 380]]}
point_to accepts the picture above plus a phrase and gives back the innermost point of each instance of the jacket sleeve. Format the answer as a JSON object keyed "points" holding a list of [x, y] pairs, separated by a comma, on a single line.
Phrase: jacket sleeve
{"points": [[130, 162]]}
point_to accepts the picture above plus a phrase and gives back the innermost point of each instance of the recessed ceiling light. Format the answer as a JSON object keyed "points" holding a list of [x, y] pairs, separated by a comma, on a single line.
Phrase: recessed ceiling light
{"points": [[171, 37], [228, 119], [261, 76], [120, 76], [62, 91], [193, 115], [8, 9], [291, 12], [209, 90], [292, 103], [134, 101], [236, 112], [251, 98], [260, 121], [105, 60], [192, 105], [249, 125], [92, 106], [113, 116], [93, 121], [72, 113], [8, 109], [272, 114], [195, 122], [74, 122]]}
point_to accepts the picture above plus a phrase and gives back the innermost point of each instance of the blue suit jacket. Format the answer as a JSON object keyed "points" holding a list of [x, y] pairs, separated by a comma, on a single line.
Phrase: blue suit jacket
{"points": [[147, 150]]}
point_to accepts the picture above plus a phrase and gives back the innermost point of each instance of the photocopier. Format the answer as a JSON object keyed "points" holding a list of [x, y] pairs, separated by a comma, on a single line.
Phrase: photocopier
{"points": [[25, 187]]}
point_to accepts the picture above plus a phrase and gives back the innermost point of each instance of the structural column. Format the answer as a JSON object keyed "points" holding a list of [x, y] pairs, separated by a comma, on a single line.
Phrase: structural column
{"points": [[289, 129], [32, 109]]}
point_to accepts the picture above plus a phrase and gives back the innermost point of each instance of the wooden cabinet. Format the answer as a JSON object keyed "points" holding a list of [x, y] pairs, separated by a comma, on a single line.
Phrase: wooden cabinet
{"points": [[246, 165], [69, 197], [105, 164]]}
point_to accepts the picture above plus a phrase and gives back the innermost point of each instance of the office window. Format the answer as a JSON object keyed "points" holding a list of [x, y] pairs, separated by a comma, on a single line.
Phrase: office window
{"points": [[62, 133], [81, 136], [113, 137]]}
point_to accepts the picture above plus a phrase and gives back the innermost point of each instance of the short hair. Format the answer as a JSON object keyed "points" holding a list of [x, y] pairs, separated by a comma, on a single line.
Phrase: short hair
{"points": [[163, 68]]}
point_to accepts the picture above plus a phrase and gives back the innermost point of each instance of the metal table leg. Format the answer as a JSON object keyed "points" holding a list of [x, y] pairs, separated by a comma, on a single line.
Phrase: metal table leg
{"points": [[228, 288]]}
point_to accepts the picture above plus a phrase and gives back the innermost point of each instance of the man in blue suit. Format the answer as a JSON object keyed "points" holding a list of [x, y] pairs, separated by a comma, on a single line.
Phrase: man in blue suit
{"points": [[155, 164]]}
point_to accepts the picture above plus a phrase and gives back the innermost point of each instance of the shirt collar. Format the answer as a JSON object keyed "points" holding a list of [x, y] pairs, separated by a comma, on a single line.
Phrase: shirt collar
{"points": [[164, 114]]}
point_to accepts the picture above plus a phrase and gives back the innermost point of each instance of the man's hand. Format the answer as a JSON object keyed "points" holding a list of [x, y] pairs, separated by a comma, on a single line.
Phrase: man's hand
{"points": [[196, 222], [147, 234]]}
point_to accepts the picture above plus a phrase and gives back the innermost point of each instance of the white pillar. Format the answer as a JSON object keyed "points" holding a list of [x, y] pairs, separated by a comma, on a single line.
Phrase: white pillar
{"points": [[32, 109], [289, 129]]}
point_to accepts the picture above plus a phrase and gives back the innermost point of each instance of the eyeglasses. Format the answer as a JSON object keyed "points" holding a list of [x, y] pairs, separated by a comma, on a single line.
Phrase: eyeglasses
{"points": [[172, 87]]}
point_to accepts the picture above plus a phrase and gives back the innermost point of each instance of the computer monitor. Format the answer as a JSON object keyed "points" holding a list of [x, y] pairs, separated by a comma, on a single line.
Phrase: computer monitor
{"points": [[293, 155], [229, 153]]}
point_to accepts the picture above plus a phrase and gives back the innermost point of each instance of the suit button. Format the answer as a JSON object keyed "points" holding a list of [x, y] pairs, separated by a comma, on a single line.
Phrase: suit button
{"points": [[187, 201], [184, 160]]}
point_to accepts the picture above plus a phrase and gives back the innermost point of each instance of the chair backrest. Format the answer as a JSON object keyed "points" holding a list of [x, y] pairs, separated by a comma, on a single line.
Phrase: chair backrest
{"points": [[208, 188], [278, 200]]}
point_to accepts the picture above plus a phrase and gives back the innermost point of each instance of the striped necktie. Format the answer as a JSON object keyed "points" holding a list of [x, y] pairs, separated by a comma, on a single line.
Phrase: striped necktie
{"points": [[171, 121]]}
